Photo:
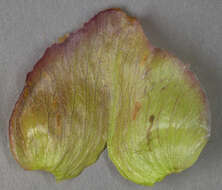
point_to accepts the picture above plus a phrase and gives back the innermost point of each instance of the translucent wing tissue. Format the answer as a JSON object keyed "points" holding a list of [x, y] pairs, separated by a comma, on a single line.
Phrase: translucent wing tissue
{"points": [[107, 84]]}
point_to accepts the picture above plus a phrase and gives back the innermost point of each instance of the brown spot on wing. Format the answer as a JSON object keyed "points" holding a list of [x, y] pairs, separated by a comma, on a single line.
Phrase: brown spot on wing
{"points": [[63, 38], [151, 119], [58, 125], [136, 110], [143, 61]]}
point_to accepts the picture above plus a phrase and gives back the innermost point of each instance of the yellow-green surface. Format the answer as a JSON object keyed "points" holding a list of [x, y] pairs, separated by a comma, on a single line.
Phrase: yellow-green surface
{"points": [[107, 80], [60, 121], [160, 126]]}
